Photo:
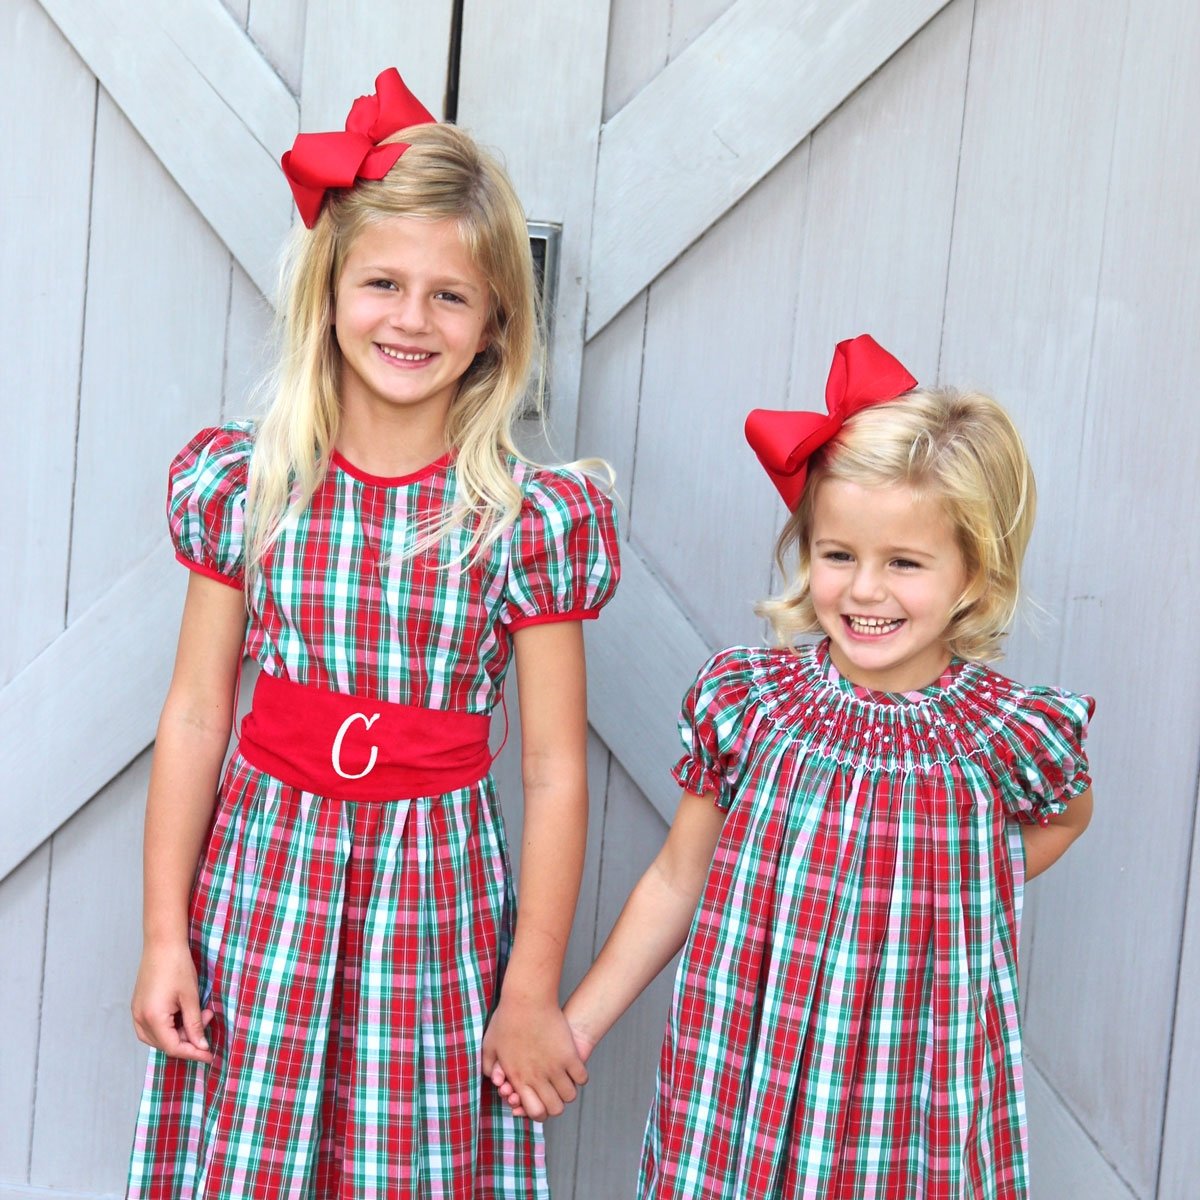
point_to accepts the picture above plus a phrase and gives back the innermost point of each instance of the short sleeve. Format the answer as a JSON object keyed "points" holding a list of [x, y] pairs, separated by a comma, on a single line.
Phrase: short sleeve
{"points": [[206, 501], [715, 726], [564, 562], [1048, 764]]}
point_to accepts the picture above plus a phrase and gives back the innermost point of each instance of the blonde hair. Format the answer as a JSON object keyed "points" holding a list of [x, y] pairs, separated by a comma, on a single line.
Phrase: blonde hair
{"points": [[442, 175], [960, 448]]}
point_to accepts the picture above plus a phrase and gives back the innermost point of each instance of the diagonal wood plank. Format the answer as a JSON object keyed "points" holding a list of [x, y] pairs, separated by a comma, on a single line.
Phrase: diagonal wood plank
{"points": [[207, 103], [96, 689], [718, 118]]}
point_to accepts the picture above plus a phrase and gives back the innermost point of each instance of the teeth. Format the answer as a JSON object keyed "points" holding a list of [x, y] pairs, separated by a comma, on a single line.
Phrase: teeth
{"points": [[420, 356], [874, 624]]}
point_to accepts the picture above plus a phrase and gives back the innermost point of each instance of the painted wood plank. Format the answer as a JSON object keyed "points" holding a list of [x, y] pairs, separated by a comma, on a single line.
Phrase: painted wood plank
{"points": [[153, 355], [88, 1048], [549, 149], [206, 102], [639, 35], [85, 707], [641, 659], [617, 1098], [1064, 1162], [690, 18], [277, 27], [1137, 475], [48, 98], [248, 345], [719, 331], [23, 898], [712, 124], [347, 45], [878, 209], [14, 1192], [1180, 1166]]}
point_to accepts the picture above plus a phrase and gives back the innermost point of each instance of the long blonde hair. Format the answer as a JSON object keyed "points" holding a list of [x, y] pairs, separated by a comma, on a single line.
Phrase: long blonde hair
{"points": [[443, 174], [959, 448]]}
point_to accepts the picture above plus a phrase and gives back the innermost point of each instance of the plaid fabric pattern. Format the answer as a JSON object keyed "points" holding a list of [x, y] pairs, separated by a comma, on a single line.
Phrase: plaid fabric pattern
{"points": [[845, 1020], [352, 952]]}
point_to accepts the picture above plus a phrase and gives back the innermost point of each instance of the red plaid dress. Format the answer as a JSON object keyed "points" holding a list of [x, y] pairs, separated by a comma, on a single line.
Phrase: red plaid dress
{"points": [[845, 1022], [352, 951]]}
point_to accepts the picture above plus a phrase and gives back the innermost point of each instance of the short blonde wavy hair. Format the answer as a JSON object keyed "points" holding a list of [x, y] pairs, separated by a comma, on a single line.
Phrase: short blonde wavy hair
{"points": [[442, 175], [960, 448]]}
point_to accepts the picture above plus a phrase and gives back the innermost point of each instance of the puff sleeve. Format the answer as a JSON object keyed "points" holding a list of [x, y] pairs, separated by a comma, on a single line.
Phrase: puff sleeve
{"points": [[564, 562], [206, 501], [1046, 765], [715, 726]]}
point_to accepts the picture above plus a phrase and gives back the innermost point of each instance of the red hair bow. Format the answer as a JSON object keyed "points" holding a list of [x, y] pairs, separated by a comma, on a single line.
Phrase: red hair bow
{"points": [[863, 373], [319, 161]]}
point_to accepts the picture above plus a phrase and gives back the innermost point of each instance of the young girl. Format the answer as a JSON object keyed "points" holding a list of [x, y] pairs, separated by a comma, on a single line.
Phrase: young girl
{"points": [[845, 1018], [381, 550]]}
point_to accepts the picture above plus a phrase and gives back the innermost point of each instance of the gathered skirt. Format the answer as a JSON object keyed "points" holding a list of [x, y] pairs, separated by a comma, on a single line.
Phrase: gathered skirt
{"points": [[351, 953]]}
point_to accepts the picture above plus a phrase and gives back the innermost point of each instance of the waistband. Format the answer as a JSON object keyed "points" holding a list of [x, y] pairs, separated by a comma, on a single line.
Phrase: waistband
{"points": [[355, 748]]}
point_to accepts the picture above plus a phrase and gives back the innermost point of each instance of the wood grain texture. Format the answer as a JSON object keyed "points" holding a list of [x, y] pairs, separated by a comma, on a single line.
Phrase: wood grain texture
{"points": [[197, 90], [248, 345], [88, 705], [277, 27], [719, 333], [1064, 1162], [347, 45], [23, 898], [1129, 633], [153, 355], [48, 99], [711, 125], [614, 1106], [641, 659], [549, 148], [1180, 1166], [88, 1049], [639, 36]]}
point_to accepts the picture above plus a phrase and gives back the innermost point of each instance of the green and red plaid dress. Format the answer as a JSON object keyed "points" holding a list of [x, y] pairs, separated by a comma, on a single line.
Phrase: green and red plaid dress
{"points": [[845, 1020], [352, 951]]}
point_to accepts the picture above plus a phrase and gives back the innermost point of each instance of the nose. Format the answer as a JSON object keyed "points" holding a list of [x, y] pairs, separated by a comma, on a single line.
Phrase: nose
{"points": [[867, 585], [409, 312]]}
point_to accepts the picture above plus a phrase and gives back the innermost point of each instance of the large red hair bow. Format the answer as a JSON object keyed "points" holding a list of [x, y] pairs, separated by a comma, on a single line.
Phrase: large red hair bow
{"points": [[318, 161], [863, 373]]}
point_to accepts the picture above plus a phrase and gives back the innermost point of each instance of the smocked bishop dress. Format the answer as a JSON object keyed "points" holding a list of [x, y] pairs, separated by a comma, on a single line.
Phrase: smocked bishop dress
{"points": [[351, 950], [845, 1023]]}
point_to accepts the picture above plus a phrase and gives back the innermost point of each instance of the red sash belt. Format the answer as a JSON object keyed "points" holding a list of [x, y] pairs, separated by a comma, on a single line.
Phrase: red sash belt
{"points": [[355, 748]]}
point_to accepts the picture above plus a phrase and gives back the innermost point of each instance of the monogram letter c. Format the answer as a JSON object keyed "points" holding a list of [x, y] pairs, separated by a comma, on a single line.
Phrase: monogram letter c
{"points": [[337, 746]]}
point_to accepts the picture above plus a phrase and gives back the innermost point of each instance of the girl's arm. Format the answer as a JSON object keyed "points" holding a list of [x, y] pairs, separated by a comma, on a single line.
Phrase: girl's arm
{"points": [[1046, 844], [528, 1035], [193, 734], [652, 925], [648, 933]]}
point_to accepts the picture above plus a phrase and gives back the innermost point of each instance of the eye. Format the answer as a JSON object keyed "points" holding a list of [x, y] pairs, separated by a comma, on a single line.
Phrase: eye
{"points": [[383, 284], [906, 564], [837, 556], [453, 297]]}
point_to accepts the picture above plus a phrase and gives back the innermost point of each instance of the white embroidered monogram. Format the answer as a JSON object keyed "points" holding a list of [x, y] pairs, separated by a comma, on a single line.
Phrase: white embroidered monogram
{"points": [[336, 753]]}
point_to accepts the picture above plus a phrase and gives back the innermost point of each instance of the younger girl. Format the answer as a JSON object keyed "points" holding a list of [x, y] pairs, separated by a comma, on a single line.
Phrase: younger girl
{"points": [[380, 549], [845, 1018]]}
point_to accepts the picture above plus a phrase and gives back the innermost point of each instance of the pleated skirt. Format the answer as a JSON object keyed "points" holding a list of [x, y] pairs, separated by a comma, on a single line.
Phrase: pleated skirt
{"points": [[351, 953]]}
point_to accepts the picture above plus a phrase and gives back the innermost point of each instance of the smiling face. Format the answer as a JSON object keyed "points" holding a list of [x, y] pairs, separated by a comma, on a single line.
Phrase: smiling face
{"points": [[410, 314], [885, 575]]}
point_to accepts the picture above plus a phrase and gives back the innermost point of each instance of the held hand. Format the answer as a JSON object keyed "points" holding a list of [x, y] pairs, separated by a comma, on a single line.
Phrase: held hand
{"points": [[530, 1049], [166, 1004], [583, 1047]]}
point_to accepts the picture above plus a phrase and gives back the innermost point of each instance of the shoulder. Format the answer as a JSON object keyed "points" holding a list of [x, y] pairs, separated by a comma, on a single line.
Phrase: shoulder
{"points": [[1037, 706], [218, 453], [566, 489]]}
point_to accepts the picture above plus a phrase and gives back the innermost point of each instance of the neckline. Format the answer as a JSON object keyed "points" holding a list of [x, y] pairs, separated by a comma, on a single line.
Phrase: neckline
{"points": [[951, 680], [343, 464]]}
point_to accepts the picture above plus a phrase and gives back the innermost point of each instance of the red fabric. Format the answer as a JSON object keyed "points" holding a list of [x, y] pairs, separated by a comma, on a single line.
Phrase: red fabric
{"points": [[863, 373], [357, 748], [319, 161]]}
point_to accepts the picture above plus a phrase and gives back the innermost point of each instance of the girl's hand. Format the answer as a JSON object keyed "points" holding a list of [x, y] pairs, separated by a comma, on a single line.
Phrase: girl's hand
{"points": [[583, 1047], [530, 1048], [166, 1004]]}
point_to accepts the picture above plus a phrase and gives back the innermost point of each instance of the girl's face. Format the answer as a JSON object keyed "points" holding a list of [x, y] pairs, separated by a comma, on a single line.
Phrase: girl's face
{"points": [[885, 574], [410, 314]]}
